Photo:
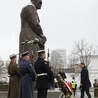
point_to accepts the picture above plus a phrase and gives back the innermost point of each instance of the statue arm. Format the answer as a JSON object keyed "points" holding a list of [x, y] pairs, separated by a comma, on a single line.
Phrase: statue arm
{"points": [[32, 19]]}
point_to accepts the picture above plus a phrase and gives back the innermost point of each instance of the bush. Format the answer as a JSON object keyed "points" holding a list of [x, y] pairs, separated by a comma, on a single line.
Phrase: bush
{"points": [[1, 82]]}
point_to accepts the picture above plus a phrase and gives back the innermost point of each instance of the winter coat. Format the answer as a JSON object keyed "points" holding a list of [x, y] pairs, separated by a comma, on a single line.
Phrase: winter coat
{"points": [[27, 79], [13, 71]]}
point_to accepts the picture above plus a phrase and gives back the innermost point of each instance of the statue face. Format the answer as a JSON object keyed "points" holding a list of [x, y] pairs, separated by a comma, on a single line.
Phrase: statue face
{"points": [[38, 4]]}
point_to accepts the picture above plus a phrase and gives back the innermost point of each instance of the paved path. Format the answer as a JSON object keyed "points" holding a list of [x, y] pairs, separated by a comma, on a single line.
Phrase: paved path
{"points": [[78, 95], [55, 93]]}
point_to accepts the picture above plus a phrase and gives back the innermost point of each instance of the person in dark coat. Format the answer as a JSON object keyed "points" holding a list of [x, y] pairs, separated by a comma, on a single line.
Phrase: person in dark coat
{"points": [[95, 85], [27, 78], [85, 83], [62, 73], [31, 29], [44, 75], [13, 71], [52, 84]]}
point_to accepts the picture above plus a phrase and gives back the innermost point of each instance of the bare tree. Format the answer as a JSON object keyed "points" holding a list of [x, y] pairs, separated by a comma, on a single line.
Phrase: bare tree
{"points": [[72, 60], [6, 63], [84, 51], [1, 65], [57, 59]]}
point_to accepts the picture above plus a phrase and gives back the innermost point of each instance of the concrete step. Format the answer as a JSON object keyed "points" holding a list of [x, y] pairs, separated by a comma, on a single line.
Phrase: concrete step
{"points": [[52, 93]]}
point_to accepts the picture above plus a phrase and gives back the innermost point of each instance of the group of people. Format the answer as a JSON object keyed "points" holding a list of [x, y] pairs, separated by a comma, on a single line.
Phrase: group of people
{"points": [[22, 76], [85, 83]]}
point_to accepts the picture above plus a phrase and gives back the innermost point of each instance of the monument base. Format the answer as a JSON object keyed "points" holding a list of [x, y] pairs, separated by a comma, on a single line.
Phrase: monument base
{"points": [[51, 94], [4, 87]]}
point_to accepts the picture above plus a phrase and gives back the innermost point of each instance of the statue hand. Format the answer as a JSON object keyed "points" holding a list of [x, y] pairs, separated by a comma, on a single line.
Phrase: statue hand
{"points": [[36, 41], [42, 41]]}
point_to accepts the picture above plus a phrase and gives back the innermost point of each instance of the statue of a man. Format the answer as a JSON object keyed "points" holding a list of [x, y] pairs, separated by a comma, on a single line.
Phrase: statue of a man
{"points": [[31, 29]]}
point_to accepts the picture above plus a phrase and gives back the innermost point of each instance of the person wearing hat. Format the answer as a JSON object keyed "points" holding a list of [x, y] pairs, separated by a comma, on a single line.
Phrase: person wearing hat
{"points": [[27, 77], [44, 75], [13, 71], [95, 85]]}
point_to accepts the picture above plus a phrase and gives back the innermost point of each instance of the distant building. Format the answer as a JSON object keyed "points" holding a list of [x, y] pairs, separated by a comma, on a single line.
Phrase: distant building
{"points": [[58, 58], [93, 68], [62, 53]]}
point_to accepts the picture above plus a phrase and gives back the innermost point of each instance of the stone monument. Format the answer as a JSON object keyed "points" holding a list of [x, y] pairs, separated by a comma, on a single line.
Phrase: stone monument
{"points": [[31, 36]]}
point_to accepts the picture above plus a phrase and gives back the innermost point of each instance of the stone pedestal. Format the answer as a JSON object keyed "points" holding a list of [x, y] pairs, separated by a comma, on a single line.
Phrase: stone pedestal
{"points": [[3, 87], [96, 92]]}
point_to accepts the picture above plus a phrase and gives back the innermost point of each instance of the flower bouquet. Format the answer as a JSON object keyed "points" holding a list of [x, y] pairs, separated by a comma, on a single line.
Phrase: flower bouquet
{"points": [[65, 86]]}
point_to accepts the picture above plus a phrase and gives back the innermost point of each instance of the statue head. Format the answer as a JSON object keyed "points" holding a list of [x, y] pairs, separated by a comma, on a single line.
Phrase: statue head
{"points": [[37, 3]]}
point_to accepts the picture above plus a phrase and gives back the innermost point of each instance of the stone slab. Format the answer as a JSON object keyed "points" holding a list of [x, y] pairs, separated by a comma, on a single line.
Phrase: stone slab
{"points": [[55, 93], [51, 94]]}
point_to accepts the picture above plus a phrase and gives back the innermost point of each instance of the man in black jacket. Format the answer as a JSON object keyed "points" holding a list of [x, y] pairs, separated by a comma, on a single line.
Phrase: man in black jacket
{"points": [[44, 75], [85, 83]]}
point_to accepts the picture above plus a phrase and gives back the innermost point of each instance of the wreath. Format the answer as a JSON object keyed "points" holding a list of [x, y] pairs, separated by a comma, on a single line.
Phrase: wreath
{"points": [[65, 86]]}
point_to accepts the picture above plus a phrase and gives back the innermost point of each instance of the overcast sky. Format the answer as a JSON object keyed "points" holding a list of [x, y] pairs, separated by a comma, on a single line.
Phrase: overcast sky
{"points": [[63, 23]]}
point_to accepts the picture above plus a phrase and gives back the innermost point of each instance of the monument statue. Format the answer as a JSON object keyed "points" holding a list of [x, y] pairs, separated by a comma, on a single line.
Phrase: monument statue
{"points": [[31, 36]]}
